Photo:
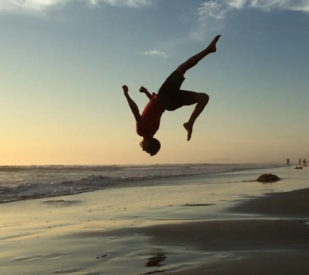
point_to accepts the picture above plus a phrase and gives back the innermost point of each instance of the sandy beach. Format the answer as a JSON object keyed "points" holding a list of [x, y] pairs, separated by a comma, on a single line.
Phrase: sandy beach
{"points": [[222, 224]]}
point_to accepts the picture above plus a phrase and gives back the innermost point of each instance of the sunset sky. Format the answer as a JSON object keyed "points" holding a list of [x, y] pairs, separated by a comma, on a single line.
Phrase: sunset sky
{"points": [[63, 63]]}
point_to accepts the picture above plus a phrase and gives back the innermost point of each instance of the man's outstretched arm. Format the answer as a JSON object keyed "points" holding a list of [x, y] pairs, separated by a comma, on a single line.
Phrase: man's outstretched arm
{"points": [[131, 103], [145, 91]]}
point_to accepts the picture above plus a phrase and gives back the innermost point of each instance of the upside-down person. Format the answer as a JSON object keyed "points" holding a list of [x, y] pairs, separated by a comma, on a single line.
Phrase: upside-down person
{"points": [[169, 97]]}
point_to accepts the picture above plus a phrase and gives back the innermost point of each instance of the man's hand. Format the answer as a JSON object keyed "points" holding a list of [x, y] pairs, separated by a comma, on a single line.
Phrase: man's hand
{"points": [[125, 89], [143, 90]]}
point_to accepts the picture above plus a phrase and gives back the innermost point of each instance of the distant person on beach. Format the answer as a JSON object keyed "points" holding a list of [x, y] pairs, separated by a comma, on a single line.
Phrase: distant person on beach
{"points": [[170, 98], [288, 162]]}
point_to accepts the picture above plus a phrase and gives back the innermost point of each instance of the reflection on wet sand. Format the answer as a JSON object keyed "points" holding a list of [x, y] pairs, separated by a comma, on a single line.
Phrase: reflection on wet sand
{"points": [[156, 260]]}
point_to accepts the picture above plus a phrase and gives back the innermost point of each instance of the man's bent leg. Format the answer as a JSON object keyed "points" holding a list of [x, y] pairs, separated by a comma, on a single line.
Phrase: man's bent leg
{"points": [[201, 99], [196, 58]]}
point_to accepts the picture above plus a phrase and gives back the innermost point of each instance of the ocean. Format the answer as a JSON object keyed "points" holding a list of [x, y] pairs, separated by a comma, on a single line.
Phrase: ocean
{"points": [[31, 182]]}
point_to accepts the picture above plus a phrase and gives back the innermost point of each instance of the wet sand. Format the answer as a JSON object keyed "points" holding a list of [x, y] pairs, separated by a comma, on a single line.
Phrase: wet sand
{"points": [[287, 204], [268, 263], [259, 246], [278, 246]]}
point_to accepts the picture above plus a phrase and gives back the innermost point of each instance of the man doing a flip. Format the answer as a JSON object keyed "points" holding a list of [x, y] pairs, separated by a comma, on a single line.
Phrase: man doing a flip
{"points": [[170, 98]]}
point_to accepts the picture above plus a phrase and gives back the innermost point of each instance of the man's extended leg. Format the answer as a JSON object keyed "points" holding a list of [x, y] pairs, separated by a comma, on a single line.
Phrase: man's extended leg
{"points": [[192, 61]]}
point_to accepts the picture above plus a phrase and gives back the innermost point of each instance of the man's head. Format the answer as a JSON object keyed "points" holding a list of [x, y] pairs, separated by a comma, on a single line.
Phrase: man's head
{"points": [[151, 146]]}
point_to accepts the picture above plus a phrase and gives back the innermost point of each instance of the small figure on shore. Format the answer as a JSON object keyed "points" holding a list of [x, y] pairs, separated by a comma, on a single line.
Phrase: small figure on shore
{"points": [[288, 162], [304, 162], [169, 98]]}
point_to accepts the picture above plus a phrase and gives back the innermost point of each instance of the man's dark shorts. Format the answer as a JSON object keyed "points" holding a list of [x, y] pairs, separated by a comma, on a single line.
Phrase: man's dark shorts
{"points": [[171, 97]]}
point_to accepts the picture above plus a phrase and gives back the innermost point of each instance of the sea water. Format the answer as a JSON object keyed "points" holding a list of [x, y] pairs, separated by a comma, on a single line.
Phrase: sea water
{"points": [[30, 182]]}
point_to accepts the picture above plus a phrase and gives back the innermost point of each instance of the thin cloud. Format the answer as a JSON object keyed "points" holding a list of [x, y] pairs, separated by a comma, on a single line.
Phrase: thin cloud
{"points": [[34, 6], [155, 53], [219, 8], [292, 5], [126, 3], [29, 5], [211, 13]]}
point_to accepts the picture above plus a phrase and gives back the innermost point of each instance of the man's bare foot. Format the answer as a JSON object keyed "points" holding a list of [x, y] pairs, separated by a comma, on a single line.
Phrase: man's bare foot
{"points": [[189, 129], [212, 46]]}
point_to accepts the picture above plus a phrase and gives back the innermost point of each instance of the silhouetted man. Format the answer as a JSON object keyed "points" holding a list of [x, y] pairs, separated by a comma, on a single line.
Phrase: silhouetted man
{"points": [[169, 98]]}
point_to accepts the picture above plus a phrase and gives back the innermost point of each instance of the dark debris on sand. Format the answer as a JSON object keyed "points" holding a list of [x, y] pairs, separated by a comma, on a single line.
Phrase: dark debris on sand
{"points": [[268, 178]]}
